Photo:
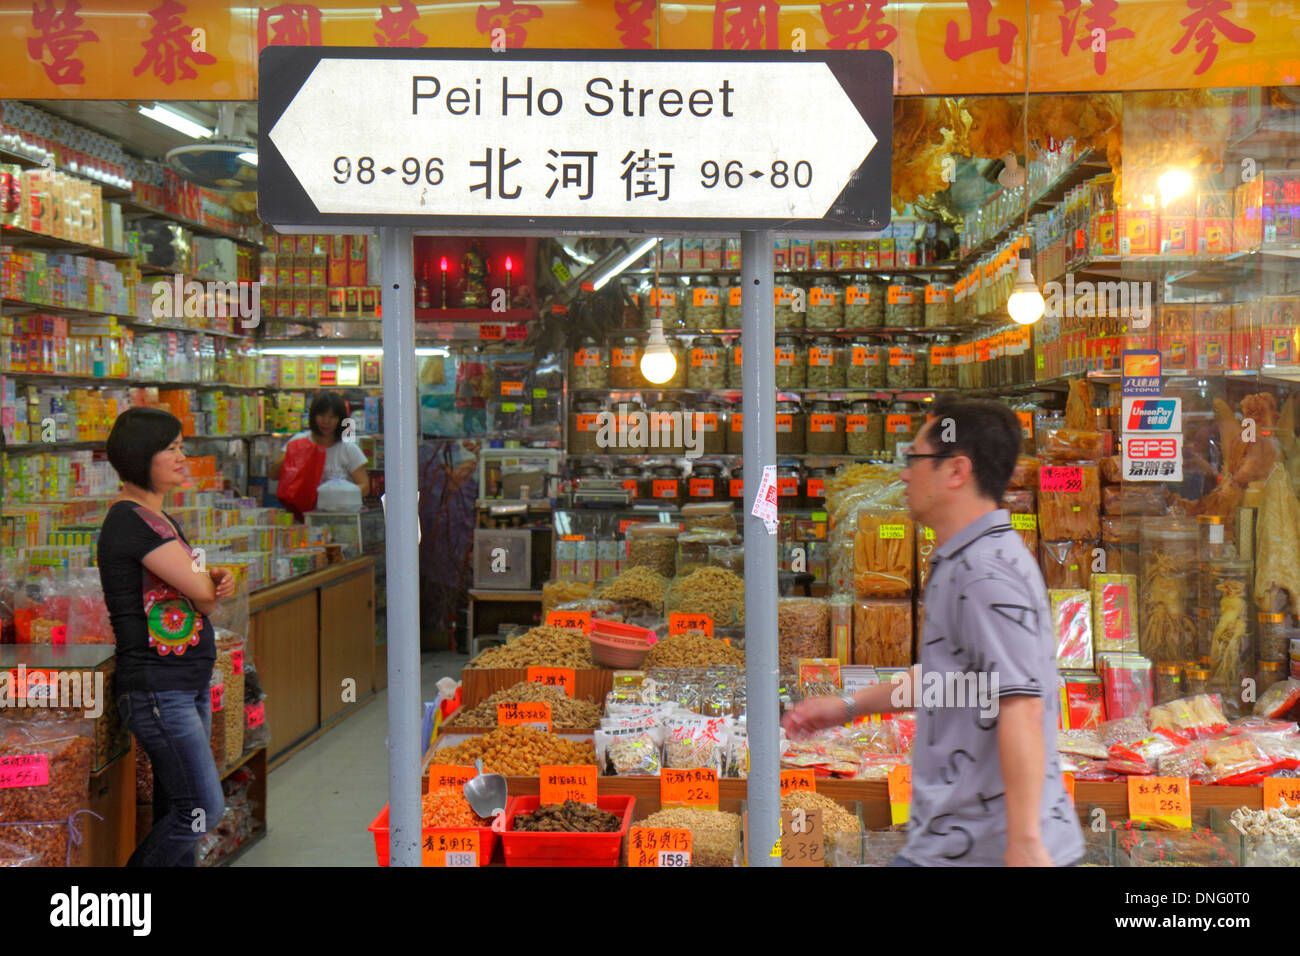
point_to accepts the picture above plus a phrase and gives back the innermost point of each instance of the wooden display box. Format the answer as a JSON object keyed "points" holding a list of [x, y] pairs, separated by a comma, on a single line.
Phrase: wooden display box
{"points": [[476, 684]]}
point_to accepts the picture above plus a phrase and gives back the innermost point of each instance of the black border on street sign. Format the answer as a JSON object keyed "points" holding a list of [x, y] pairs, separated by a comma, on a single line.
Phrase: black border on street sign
{"points": [[867, 77]]}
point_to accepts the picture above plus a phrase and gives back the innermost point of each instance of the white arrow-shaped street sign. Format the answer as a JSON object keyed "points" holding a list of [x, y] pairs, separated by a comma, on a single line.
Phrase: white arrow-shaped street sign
{"points": [[558, 139]]}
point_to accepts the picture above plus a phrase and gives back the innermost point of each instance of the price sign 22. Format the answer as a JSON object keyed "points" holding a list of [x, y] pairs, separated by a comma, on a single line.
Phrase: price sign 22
{"points": [[689, 788]]}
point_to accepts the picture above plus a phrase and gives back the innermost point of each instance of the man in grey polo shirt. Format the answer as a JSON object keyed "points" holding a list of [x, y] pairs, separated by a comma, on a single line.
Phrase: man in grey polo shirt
{"points": [[987, 787]]}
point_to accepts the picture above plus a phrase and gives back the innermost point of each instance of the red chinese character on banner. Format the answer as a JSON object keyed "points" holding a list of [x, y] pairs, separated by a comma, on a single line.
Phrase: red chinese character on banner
{"points": [[1205, 19], [169, 51], [1100, 18], [955, 48], [289, 24], [851, 22], [633, 26], [508, 16], [745, 24], [398, 26], [59, 32]]}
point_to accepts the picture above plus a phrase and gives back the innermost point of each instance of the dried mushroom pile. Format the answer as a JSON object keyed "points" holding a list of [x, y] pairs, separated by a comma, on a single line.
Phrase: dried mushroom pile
{"points": [[568, 817], [540, 647], [566, 712]]}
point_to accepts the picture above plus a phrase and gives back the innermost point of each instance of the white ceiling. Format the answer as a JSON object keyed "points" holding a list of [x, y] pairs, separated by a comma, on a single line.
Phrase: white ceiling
{"points": [[140, 135]]}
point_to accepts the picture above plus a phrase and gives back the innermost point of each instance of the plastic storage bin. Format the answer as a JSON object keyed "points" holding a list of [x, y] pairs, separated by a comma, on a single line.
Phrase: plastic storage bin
{"points": [[563, 849], [487, 838]]}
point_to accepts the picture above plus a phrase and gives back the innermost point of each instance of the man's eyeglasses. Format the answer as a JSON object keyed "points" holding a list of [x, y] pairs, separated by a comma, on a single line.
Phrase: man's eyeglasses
{"points": [[911, 456]]}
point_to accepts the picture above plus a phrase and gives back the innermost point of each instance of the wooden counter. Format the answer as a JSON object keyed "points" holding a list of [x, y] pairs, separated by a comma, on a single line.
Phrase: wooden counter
{"points": [[313, 641]]}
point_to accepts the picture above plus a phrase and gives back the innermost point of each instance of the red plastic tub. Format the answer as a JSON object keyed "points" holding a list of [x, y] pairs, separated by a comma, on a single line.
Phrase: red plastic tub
{"points": [[614, 644], [487, 838], [563, 849]]}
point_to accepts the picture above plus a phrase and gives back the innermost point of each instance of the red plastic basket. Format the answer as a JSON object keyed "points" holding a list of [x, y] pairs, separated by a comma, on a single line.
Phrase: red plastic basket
{"points": [[563, 849], [487, 838], [614, 644]]}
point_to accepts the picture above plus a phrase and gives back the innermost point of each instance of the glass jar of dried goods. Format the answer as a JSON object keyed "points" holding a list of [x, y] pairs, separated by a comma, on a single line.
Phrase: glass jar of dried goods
{"points": [[1168, 683], [735, 374], [731, 308], [706, 482], [669, 297], [904, 306], [1119, 541], [825, 429], [938, 306], [902, 422], [1196, 680], [630, 477], [589, 365], [864, 429], [790, 428], [941, 371], [711, 426], [584, 426], [867, 365], [708, 363], [667, 427], [906, 365], [653, 546], [1166, 589], [735, 429], [821, 362], [864, 302], [1268, 673], [667, 486], [625, 362], [704, 304], [791, 362], [789, 485], [631, 429], [791, 301], [826, 303]]}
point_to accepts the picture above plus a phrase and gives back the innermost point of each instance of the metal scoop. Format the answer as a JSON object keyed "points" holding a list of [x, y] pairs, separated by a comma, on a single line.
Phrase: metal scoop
{"points": [[486, 793]]}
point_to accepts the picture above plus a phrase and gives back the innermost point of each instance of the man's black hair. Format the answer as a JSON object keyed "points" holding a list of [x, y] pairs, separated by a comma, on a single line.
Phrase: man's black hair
{"points": [[326, 402], [138, 434], [985, 431]]}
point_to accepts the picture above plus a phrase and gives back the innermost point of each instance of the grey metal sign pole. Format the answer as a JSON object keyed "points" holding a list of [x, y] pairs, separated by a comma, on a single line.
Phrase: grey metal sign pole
{"points": [[762, 674], [401, 544]]}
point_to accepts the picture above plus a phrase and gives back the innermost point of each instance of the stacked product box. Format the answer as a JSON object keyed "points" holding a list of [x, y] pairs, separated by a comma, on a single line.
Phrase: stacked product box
{"points": [[317, 277]]}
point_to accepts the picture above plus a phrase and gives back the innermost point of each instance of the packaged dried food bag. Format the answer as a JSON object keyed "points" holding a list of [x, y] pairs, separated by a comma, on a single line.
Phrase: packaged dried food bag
{"points": [[1133, 499], [697, 742], [1112, 470], [1072, 622], [1114, 612], [257, 733], [882, 632], [803, 630], [1066, 564], [1193, 717], [1281, 701], [1082, 743], [1025, 474], [40, 745], [883, 549], [88, 621], [1188, 762], [634, 749], [1056, 443], [1140, 756], [1235, 760], [738, 752], [1069, 501], [1021, 500]]}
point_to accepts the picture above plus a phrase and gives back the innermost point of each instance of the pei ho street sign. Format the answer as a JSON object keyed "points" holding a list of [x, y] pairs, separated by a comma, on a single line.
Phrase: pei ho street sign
{"points": [[576, 140]]}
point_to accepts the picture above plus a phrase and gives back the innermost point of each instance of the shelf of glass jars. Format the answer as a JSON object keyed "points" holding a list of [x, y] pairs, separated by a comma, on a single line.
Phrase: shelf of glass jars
{"points": [[1086, 166], [1200, 269], [880, 330], [927, 269], [869, 394], [25, 237], [107, 190], [52, 378], [635, 457], [132, 209], [1274, 375]]}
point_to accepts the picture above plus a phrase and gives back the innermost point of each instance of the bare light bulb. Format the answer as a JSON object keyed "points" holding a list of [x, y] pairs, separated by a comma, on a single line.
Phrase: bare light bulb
{"points": [[658, 364], [1026, 305], [1173, 183]]}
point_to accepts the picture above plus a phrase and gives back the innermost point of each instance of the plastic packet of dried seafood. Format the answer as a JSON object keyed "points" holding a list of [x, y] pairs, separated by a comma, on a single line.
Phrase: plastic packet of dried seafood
{"points": [[1280, 700], [1112, 732], [1188, 762], [1194, 717], [1234, 758], [697, 742], [629, 750], [738, 752], [1140, 756]]}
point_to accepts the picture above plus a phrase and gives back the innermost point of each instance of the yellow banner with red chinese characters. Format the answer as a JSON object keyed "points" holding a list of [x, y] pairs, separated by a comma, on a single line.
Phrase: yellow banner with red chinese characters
{"points": [[202, 49]]}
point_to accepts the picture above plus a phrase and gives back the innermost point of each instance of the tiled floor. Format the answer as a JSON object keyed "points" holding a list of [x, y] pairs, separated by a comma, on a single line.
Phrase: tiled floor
{"points": [[322, 799]]}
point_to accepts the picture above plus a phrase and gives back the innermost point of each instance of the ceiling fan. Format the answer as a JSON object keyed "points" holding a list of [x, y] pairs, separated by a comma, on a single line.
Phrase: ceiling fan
{"points": [[227, 162]]}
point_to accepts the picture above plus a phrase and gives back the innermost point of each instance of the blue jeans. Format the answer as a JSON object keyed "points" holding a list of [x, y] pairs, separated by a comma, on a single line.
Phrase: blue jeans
{"points": [[175, 728]]}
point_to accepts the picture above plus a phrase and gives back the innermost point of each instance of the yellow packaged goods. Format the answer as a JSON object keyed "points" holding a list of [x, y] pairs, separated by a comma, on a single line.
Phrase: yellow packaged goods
{"points": [[567, 713], [555, 593], [638, 586], [882, 632], [803, 629], [1069, 502], [518, 751], [716, 592], [1114, 612], [693, 650], [540, 647], [715, 835], [883, 549]]}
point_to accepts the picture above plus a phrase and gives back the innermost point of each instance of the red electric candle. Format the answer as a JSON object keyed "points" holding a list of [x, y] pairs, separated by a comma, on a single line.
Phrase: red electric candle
{"points": [[443, 266], [509, 267]]}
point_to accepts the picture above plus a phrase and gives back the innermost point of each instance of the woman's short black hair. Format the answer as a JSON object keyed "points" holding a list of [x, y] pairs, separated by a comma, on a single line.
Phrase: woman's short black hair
{"points": [[984, 430], [139, 434], [326, 402]]}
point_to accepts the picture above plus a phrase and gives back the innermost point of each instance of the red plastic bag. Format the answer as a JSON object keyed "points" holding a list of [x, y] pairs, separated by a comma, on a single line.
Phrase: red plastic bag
{"points": [[300, 476]]}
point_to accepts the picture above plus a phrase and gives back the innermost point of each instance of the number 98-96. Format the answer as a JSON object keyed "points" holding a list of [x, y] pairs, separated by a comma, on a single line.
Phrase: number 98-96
{"points": [[363, 171]]}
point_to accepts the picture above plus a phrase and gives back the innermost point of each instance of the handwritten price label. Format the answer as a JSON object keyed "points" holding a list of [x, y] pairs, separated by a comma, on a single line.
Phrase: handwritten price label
{"points": [[802, 843], [449, 848], [689, 788], [1024, 522], [793, 781], [893, 531], [900, 793], [255, 714], [516, 333], [237, 662], [535, 714], [557, 784], [564, 677], [511, 389], [24, 770], [1066, 478], [1277, 789], [570, 620], [444, 776], [659, 847], [1168, 799], [218, 694], [682, 623], [491, 333]]}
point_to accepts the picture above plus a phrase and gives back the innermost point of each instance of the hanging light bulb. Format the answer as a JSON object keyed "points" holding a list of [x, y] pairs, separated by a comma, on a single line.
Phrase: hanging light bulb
{"points": [[1026, 304], [658, 364], [1173, 183]]}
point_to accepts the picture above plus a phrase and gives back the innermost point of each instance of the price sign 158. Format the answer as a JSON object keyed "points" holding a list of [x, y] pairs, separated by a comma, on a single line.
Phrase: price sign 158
{"points": [[659, 846]]}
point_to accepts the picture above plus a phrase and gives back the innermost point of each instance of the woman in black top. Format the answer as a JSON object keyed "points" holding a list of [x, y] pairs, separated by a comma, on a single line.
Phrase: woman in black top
{"points": [[158, 600]]}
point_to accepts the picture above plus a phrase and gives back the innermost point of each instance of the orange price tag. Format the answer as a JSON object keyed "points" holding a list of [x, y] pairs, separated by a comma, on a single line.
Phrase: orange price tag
{"points": [[664, 488], [785, 357], [623, 358], [1069, 784], [856, 424], [900, 793], [681, 623], [588, 422], [570, 620], [702, 297], [524, 714], [554, 676], [701, 487], [1168, 799], [1026, 423], [898, 424], [491, 333], [704, 358], [822, 423], [688, 788], [795, 780], [444, 775], [558, 784], [659, 846], [1277, 789], [449, 848], [822, 358], [512, 388], [733, 296]]}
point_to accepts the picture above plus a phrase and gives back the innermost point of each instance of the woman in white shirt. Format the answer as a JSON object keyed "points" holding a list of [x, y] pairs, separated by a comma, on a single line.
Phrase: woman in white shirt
{"points": [[343, 459]]}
